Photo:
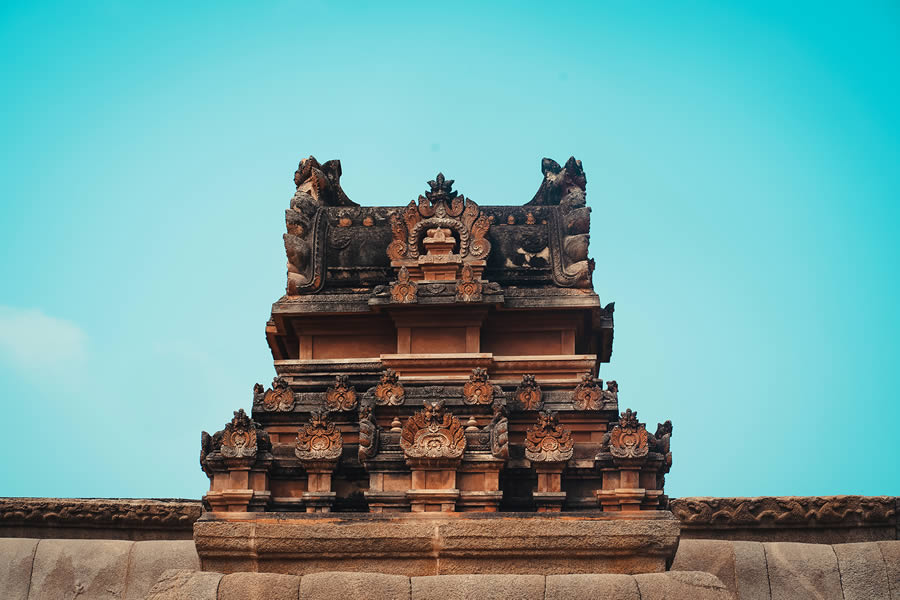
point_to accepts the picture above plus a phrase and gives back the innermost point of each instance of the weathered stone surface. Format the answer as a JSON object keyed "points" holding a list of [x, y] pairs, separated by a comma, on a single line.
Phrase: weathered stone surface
{"points": [[259, 586], [682, 585], [709, 556], [16, 559], [751, 573], [98, 518], [432, 544], [808, 519], [890, 552], [149, 560], [343, 586], [483, 587], [595, 587], [800, 571], [85, 569], [862, 571], [182, 584]]}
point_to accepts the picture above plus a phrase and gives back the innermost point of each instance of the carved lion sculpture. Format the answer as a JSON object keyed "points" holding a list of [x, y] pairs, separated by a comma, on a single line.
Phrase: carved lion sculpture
{"points": [[562, 186], [321, 182]]}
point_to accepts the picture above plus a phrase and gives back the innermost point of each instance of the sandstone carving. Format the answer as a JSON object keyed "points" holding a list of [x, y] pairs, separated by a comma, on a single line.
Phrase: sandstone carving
{"points": [[368, 433], [468, 288], [389, 392], [279, 398], [321, 182], [478, 390], [240, 438], [433, 433], [319, 439], [588, 394], [629, 438], [785, 510], [499, 428], [404, 291], [528, 394], [548, 441], [341, 396]]}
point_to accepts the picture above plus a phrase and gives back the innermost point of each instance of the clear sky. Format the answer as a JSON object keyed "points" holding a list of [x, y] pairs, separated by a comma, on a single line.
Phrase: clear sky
{"points": [[743, 165]]}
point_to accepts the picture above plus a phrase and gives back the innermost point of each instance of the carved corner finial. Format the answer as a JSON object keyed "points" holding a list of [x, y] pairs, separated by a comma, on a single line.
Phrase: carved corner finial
{"points": [[548, 441], [441, 189], [278, 398], [469, 287], [240, 437], [321, 182], [629, 438], [341, 396], [433, 433], [588, 394], [389, 392], [528, 394], [319, 439], [404, 291], [479, 389]]}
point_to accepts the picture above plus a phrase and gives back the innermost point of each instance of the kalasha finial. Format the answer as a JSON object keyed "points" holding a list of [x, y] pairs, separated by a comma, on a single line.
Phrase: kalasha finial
{"points": [[441, 189]]}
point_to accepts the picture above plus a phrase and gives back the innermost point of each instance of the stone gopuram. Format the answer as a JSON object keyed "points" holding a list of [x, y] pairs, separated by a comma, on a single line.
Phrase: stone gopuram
{"points": [[440, 358]]}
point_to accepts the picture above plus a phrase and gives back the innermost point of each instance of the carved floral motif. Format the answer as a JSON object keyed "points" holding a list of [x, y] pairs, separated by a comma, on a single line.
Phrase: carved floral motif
{"points": [[279, 398], [478, 390], [629, 439], [389, 392], [319, 439], [764, 511], [468, 288], [588, 394], [342, 396], [528, 394], [443, 208], [548, 441], [404, 291], [433, 433], [239, 437]]}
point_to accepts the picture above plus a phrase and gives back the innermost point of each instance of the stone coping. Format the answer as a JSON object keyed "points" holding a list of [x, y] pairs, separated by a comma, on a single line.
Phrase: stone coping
{"points": [[418, 544], [105, 518]]}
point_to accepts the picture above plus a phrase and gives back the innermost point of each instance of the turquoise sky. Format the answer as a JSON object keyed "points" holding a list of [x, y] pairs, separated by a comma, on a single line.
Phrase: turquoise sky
{"points": [[743, 168]]}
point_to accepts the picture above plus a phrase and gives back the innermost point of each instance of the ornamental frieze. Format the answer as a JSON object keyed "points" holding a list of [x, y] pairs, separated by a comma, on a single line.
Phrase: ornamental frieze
{"points": [[548, 441], [389, 392], [433, 433], [341, 396], [319, 439]]}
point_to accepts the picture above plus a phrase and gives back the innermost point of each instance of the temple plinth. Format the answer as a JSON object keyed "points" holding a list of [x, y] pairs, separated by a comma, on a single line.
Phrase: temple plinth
{"points": [[436, 360]]}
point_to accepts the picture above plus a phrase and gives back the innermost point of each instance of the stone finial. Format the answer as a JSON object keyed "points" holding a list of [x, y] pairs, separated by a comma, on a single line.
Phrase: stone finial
{"points": [[528, 394], [404, 291], [629, 438], [239, 438], [478, 390], [278, 398], [588, 394], [389, 392], [341, 396], [548, 441], [433, 433], [319, 439]]}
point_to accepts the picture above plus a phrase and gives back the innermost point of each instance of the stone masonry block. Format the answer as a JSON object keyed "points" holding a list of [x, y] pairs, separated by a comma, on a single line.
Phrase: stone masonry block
{"points": [[801, 571], [890, 552], [682, 585], [593, 586], [709, 556], [82, 569], [182, 584], [344, 586], [149, 560], [862, 571], [259, 586], [751, 573], [16, 556], [482, 587]]}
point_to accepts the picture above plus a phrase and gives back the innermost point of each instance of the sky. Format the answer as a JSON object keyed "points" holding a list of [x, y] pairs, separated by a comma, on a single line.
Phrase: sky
{"points": [[743, 167]]}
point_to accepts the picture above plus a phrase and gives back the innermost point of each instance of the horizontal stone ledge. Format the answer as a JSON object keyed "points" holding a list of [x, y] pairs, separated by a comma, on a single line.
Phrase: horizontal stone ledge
{"points": [[437, 543]]}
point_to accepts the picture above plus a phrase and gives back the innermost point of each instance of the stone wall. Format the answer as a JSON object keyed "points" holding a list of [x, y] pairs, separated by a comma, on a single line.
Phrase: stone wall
{"points": [[703, 569]]}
